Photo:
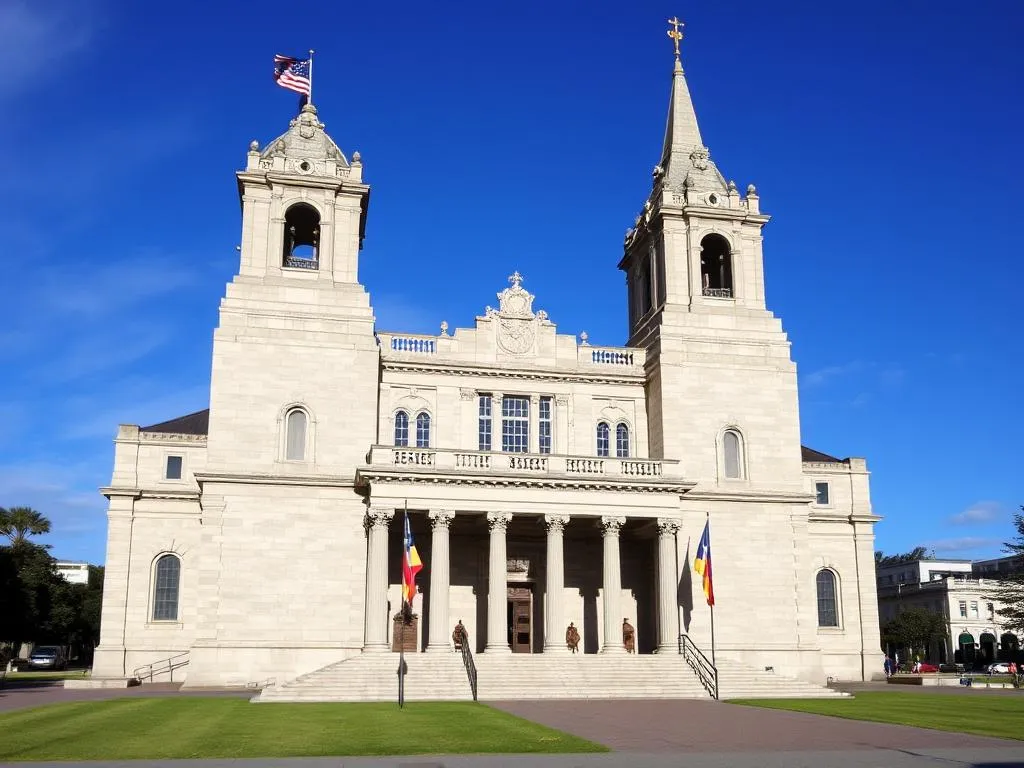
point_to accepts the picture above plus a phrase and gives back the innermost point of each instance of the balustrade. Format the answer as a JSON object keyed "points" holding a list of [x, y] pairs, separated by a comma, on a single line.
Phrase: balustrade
{"points": [[532, 463], [422, 458]]}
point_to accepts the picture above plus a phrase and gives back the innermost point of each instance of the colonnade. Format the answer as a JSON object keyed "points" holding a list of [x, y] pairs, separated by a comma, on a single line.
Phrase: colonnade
{"points": [[439, 569]]}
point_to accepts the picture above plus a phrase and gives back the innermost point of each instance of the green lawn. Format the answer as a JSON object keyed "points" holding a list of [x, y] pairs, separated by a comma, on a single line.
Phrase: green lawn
{"points": [[193, 727], [42, 677], [965, 712]]}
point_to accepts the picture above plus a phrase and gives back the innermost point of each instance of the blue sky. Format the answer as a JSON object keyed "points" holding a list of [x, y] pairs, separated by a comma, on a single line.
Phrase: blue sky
{"points": [[884, 138]]}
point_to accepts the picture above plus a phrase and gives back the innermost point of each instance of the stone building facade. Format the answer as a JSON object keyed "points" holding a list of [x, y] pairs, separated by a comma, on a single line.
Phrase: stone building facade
{"points": [[547, 479]]}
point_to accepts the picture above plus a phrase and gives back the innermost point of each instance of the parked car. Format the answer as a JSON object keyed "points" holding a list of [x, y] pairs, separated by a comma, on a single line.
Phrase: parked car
{"points": [[954, 667], [48, 657], [925, 667], [998, 668]]}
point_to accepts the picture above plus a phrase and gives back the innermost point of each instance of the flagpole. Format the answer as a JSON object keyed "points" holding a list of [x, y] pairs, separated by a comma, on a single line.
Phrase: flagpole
{"points": [[310, 99], [712, 606], [401, 632]]}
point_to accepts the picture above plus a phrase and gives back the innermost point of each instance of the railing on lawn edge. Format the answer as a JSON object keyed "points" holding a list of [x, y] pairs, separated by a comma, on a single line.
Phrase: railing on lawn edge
{"points": [[706, 672], [167, 665], [467, 660]]}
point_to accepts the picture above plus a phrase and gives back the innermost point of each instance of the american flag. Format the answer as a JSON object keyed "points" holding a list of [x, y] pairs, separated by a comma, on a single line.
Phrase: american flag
{"points": [[292, 74]]}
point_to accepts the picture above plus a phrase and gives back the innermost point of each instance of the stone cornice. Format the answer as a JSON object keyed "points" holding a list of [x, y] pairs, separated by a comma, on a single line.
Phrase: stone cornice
{"points": [[370, 475], [454, 368], [250, 478], [167, 438], [151, 493], [819, 516], [738, 494]]}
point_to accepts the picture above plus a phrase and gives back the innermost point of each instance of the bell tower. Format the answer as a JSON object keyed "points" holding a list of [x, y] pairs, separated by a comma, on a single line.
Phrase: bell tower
{"points": [[296, 327], [719, 369]]}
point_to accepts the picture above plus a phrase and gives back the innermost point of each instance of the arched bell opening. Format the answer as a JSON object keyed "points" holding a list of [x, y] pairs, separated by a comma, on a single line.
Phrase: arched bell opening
{"points": [[302, 237], [716, 267]]}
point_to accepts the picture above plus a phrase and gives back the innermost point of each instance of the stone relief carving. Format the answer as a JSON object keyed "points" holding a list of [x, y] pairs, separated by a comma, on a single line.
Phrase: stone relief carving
{"points": [[699, 157]]}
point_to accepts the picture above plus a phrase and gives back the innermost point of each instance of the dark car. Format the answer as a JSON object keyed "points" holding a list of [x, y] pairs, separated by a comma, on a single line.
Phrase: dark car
{"points": [[48, 657]]}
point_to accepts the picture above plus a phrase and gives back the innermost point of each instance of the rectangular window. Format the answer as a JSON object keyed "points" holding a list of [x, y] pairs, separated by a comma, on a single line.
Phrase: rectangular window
{"points": [[173, 468], [963, 609], [484, 431], [990, 610], [515, 424], [544, 425], [821, 494], [974, 609]]}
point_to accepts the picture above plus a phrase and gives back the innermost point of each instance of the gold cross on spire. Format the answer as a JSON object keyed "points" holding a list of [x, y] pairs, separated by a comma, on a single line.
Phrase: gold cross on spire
{"points": [[675, 34]]}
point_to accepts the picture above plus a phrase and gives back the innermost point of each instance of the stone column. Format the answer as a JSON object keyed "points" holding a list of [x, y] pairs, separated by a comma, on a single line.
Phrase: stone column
{"points": [[668, 604], [497, 585], [554, 628], [440, 581], [375, 637], [612, 587]]}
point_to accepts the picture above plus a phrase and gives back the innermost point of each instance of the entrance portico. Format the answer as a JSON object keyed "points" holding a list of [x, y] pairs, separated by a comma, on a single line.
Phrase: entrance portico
{"points": [[516, 580]]}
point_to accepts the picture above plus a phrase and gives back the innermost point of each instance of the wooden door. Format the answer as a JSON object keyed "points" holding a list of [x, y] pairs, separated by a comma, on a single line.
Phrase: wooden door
{"points": [[522, 631]]}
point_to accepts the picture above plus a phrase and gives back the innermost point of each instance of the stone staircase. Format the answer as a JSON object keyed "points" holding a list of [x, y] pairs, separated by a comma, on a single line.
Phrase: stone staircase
{"points": [[374, 677], [442, 677], [736, 681], [586, 676]]}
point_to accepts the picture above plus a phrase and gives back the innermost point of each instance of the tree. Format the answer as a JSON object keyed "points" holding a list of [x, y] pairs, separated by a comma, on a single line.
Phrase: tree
{"points": [[1009, 591], [18, 523], [914, 629], [917, 553]]}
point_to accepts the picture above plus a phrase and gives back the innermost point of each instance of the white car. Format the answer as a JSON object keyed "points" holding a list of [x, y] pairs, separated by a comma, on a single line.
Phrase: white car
{"points": [[998, 668]]}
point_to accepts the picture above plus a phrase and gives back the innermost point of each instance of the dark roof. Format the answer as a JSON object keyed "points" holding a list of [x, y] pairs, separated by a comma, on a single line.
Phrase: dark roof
{"points": [[197, 423], [809, 454]]}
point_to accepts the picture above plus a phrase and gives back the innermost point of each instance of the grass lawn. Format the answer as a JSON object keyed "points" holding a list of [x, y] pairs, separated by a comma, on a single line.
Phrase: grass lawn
{"points": [[193, 727], [1001, 716], [42, 677]]}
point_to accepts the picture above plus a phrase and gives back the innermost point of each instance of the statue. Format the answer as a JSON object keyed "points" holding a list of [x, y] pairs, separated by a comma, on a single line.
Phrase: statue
{"points": [[459, 635], [628, 636], [572, 637]]}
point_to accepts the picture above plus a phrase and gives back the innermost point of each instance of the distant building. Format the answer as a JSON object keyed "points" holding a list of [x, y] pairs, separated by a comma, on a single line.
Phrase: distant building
{"points": [[73, 571], [962, 593]]}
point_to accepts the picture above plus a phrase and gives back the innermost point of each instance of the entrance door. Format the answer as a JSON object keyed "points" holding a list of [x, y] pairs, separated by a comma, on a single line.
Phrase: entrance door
{"points": [[520, 626]]}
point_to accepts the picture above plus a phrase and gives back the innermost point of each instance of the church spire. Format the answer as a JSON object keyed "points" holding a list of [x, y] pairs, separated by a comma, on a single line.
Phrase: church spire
{"points": [[682, 136]]}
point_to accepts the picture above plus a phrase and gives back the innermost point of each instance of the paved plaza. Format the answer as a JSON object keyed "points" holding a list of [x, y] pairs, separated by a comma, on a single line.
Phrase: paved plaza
{"points": [[641, 733]]}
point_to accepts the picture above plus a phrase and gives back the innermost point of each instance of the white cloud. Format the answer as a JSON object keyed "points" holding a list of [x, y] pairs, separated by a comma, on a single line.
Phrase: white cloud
{"points": [[979, 512], [962, 544]]}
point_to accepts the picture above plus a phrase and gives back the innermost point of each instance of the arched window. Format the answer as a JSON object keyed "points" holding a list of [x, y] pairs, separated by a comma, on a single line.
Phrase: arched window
{"points": [[732, 454], [295, 435], [302, 237], [603, 439], [828, 608], [622, 441], [401, 428], [167, 578], [716, 267], [423, 430]]}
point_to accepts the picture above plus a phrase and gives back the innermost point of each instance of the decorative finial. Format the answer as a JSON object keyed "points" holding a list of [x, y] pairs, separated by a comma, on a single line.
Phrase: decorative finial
{"points": [[444, 327], [254, 146], [675, 34], [516, 279], [751, 189], [357, 158], [583, 339]]}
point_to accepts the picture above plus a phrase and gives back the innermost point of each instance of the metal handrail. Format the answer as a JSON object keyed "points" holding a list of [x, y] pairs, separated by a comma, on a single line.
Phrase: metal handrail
{"points": [[172, 662], [467, 660], [706, 672]]}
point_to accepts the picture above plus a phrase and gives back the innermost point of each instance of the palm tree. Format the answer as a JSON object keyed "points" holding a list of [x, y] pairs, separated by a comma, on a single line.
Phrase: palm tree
{"points": [[18, 523]]}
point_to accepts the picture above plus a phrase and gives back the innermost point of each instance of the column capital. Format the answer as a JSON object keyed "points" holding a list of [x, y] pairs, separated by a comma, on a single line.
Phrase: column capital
{"points": [[556, 523], [612, 525], [668, 526], [440, 518], [498, 521], [378, 517]]}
